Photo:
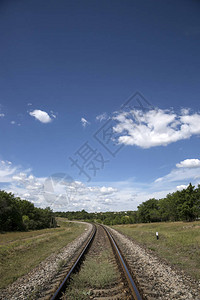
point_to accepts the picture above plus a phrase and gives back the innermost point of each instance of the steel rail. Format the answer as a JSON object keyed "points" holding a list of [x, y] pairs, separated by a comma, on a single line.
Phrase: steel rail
{"points": [[127, 274], [57, 295]]}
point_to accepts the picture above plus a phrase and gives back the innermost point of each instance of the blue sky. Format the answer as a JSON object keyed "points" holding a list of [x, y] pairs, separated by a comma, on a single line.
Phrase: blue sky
{"points": [[67, 67]]}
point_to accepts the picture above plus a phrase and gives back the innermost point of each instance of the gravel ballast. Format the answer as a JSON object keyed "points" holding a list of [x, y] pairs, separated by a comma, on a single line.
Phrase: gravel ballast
{"points": [[27, 286], [156, 278]]}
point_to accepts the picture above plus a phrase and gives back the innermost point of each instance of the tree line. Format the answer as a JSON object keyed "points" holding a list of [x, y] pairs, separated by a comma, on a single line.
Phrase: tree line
{"points": [[178, 206], [21, 215], [18, 214]]}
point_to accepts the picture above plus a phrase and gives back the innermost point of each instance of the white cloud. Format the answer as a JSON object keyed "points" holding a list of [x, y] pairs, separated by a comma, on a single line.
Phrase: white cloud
{"points": [[101, 117], [6, 171], [14, 123], [58, 191], [155, 127], [107, 190], [180, 175], [189, 163], [84, 122], [2, 115], [41, 116], [185, 111], [61, 192], [186, 171], [107, 200], [53, 115], [181, 187]]}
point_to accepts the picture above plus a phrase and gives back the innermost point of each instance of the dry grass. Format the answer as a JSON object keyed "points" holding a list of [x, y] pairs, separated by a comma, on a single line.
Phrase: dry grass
{"points": [[22, 251], [96, 272], [179, 242]]}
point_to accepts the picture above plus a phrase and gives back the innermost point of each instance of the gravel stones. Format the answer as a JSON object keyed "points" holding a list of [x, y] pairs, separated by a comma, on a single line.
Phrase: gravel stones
{"points": [[27, 287], [156, 278]]}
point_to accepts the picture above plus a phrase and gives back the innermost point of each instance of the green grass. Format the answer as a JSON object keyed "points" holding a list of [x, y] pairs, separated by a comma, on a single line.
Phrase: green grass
{"points": [[179, 242], [22, 251], [96, 272]]}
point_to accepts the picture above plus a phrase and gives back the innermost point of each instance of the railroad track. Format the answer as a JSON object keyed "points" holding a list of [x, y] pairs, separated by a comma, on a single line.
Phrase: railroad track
{"points": [[99, 244]]}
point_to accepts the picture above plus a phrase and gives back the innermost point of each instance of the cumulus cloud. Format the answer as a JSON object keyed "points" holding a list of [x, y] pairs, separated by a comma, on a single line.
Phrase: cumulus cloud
{"points": [[155, 127], [41, 116], [59, 191], [101, 117], [2, 115], [189, 163], [84, 122], [181, 187], [107, 190]]}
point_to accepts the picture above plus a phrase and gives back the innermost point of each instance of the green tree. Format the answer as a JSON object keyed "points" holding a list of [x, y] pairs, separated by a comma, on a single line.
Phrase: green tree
{"points": [[168, 208], [148, 211], [188, 204], [10, 216]]}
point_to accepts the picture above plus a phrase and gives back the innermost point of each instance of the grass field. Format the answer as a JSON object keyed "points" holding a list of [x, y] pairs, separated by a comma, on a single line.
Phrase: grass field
{"points": [[179, 242], [22, 251]]}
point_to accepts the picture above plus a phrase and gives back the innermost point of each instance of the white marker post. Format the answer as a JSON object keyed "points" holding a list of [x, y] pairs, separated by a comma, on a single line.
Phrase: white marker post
{"points": [[157, 236]]}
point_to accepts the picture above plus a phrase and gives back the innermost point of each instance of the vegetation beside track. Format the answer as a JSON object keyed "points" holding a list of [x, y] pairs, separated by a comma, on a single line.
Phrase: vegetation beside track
{"points": [[178, 243], [22, 251], [181, 205], [21, 215], [95, 273]]}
